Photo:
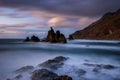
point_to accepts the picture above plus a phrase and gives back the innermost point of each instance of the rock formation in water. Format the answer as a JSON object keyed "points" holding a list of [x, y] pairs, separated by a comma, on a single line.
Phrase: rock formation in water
{"points": [[64, 77], [32, 39], [44, 74], [51, 36], [102, 66], [70, 37], [55, 37], [24, 69], [107, 28], [54, 64], [27, 39], [57, 69], [35, 39]]}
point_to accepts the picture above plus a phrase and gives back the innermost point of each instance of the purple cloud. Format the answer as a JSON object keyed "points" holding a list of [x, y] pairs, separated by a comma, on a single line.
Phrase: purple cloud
{"points": [[68, 7]]}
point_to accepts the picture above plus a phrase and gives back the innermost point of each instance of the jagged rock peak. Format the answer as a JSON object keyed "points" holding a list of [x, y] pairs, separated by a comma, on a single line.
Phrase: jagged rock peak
{"points": [[51, 29], [27, 39], [57, 37]]}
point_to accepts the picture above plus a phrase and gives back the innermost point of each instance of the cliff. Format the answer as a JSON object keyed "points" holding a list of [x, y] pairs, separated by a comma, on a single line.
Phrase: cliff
{"points": [[106, 28]]}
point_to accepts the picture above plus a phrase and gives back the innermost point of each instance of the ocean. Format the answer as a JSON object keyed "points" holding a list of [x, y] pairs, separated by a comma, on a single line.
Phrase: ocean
{"points": [[14, 54]]}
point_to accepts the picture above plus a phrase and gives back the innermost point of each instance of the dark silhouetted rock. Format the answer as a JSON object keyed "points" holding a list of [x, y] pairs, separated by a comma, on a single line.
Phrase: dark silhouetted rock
{"points": [[54, 63], [70, 37], [80, 72], [108, 66], [32, 39], [103, 66], [64, 77], [51, 36], [96, 69], [18, 76], [27, 39], [92, 65], [62, 39], [43, 74], [35, 39], [24, 69], [55, 37]]}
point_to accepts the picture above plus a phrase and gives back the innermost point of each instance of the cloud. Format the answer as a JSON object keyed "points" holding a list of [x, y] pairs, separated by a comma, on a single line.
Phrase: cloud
{"points": [[85, 21], [64, 22], [15, 25], [20, 31], [61, 22], [68, 7], [16, 15], [12, 13], [46, 11], [25, 17]]}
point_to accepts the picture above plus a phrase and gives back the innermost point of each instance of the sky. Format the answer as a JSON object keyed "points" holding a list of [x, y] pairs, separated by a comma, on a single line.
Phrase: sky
{"points": [[21, 18]]}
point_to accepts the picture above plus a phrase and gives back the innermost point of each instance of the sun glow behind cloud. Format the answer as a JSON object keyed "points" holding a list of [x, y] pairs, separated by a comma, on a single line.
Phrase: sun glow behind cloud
{"points": [[60, 22]]}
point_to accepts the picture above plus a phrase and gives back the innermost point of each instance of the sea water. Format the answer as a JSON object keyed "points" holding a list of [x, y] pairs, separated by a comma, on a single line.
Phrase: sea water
{"points": [[14, 54]]}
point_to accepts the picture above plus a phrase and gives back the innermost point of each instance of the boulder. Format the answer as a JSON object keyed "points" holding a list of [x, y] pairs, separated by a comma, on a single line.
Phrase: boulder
{"points": [[43, 74], [54, 63], [18, 76], [92, 65], [80, 72], [64, 77], [24, 69], [108, 66], [96, 70], [103, 66]]}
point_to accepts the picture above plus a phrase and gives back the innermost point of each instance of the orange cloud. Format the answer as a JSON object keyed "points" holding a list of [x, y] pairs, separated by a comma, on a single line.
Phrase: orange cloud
{"points": [[61, 22]]}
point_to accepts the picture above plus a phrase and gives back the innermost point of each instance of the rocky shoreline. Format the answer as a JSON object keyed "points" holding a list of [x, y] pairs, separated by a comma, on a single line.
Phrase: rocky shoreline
{"points": [[52, 68], [45, 72]]}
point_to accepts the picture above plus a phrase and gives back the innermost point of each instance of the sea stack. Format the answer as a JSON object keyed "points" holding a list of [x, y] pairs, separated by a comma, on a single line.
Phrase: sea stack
{"points": [[57, 37], [70, 37], [52, 37], [27, 39], [32, 39]]}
